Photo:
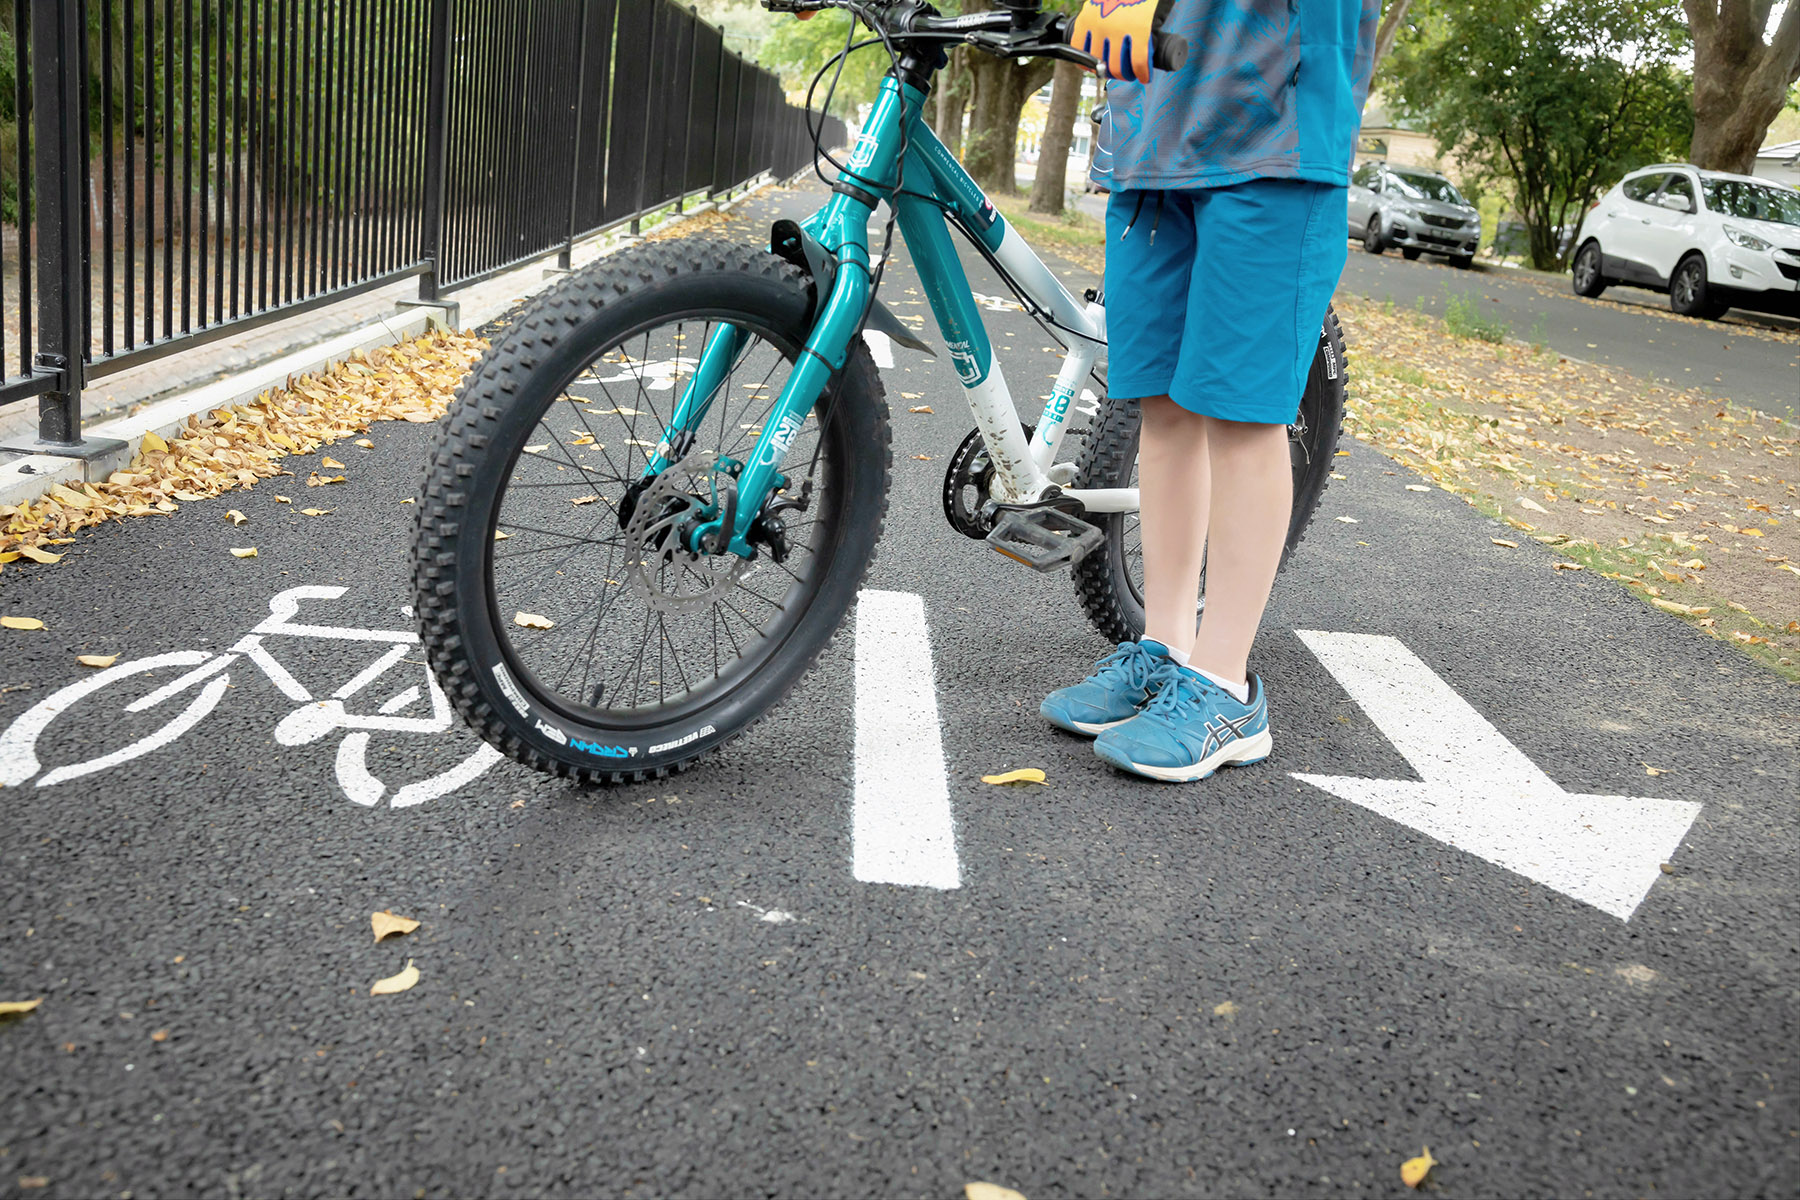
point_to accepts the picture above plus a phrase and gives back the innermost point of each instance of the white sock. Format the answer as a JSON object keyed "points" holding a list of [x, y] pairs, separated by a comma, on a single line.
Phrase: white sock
{"points": [[1238, 690], [1180, 656]]}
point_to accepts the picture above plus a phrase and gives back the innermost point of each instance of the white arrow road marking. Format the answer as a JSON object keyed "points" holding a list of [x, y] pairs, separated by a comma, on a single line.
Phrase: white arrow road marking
{"points": [[1481, 794], [902, 829]]}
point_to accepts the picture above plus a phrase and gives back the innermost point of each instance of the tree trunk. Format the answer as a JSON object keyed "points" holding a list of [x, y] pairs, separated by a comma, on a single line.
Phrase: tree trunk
{"points": [[1059, 132], [1740, 82], [1001, 88], [1390, 28], [952, 86]]}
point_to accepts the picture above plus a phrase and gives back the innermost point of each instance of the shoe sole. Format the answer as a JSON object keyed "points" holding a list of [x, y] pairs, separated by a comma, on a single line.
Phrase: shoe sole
{"points": [[1081, 727], [1243, 752]]}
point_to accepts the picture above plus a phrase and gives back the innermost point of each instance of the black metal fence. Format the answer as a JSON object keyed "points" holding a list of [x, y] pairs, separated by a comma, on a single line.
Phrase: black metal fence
{"points": [[182, 169]]}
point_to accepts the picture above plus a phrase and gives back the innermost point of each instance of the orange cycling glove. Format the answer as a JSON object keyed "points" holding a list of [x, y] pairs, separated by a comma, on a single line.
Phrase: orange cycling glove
{"points": [[1117, 32]]}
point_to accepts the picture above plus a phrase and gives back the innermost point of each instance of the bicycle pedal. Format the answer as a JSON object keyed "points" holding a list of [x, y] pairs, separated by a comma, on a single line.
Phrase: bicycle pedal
{"points": [[1044, 539]]}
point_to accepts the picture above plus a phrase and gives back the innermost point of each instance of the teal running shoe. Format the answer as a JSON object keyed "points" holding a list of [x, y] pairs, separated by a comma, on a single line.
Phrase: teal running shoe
{"points": [[1121, 683], [1190, 728]]}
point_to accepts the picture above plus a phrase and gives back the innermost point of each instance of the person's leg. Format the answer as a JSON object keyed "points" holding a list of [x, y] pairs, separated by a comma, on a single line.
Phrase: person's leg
{"points": [[1252, 498], [1174, 489]]}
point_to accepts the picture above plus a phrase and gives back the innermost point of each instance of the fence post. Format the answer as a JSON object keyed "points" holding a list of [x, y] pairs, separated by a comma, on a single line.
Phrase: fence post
{"points": [[437, 120], [565, 256], [58, 112]]}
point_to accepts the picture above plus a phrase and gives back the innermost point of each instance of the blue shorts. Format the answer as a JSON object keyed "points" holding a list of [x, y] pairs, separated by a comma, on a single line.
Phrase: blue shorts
{"points": [[1215, 296]]}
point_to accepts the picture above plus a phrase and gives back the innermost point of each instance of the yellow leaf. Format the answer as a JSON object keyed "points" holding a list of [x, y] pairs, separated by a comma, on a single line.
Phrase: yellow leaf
{"points": [[1568, 566], [39, 556], [396, 983], [912, 395], [1417, 487], [1681, 609], [1793, 626], [501, 535], [282, 500], [1504, 542], [537, 449], [533, 621], [1650, 770], [21, 623], [386, 923], [580, 500], [153, 443], [187, 495], [922, 408], [365, 443], [329, 461], [1022, 775], [161, 1035], [316, 512], [979, 1190], [10, 1008], [243, 552], [1533, 505], [586, 439], [1414, 1170], [923, 457], [235, 517], [96, 660]]}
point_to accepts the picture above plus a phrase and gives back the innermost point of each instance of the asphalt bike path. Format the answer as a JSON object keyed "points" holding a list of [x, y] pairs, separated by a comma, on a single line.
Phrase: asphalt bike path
{"points": [[1264, 984]]}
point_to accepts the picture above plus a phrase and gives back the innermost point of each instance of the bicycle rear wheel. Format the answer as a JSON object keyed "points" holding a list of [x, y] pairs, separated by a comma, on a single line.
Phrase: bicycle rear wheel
{"points": [[1110, 581], [584, 643]]}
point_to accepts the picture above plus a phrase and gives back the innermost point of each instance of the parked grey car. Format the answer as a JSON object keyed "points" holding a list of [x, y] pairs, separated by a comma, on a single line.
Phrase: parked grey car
{"points": [[1415, 210]]}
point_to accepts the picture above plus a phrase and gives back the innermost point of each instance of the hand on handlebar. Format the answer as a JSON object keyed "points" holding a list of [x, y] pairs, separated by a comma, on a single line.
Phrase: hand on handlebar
{"points": [[1119, 34]]}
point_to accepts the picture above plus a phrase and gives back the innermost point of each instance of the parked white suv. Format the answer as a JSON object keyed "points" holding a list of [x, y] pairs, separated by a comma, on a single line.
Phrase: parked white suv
{"points": [[1416, 210], [1712, 241]]}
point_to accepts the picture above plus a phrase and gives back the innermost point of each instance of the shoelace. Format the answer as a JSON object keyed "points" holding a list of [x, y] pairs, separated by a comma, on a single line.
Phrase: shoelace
{"points": [[1133, 664], [1178, 693]]}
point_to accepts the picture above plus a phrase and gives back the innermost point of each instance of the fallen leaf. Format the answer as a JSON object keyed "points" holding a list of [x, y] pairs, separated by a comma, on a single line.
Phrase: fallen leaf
{"points": [[1567, 566], [1417, 487], [243, 552], [235, 517], [1022, 775], [161, 1035], [11, 1008], [1349, 520], [1504, 542], [1666, 868], [316, 512], [580, 500], [1650, 770], [533, 621], [1748, 639], [1342, 454], [21, 623], [396, 983], [282, 500], [500, 535], [1414, 1170], [980, 1190], [386, 923], [912, 395], [39, 556], [28, 1182], [1793, 626], [96, 660], [1533, 505], [1682, 609], [329, 461], [408, 500], [586, 439], [537, 449], [923, 457], [365, 443], [922, 408], [153, 444], [318, 480]]}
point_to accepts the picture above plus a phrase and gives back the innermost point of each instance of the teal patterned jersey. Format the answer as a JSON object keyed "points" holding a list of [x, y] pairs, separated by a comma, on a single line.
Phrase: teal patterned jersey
{"points": [[1272, 89]]}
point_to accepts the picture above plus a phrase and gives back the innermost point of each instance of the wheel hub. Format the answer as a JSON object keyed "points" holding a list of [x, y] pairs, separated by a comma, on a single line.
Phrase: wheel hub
{"points": [[669, 575]]}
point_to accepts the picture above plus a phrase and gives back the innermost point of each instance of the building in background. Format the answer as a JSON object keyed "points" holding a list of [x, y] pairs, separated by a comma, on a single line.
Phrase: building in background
{"points": [[1779, 161]]}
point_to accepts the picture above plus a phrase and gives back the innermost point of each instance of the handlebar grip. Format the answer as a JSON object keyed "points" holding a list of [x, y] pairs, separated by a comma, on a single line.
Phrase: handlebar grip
{"points": [[1168, 51]]}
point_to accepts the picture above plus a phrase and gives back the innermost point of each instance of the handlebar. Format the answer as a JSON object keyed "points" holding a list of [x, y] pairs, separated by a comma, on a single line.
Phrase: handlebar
{"points": [[1019, 31]]}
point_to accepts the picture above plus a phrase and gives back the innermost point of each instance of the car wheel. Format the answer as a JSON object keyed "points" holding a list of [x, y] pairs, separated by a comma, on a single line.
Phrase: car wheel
{"points": [[1462, 262], [1585, 276], [1408, 253], [1372, 236], [1689, 293]]}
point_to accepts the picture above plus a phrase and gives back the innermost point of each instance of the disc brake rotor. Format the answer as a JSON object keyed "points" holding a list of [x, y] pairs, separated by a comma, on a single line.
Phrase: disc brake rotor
{"points": [[669, 576]]}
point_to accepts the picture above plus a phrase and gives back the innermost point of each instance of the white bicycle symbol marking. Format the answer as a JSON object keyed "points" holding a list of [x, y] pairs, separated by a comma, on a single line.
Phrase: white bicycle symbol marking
{"points": [[316, 719]]}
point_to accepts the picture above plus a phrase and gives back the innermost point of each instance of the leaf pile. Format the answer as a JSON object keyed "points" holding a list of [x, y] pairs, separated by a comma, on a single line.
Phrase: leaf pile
{"points": [[1671, 492], [232, 448]]}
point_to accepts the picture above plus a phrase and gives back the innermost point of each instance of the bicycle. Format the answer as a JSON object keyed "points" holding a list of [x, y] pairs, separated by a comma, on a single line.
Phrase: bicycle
{"points": [[610, 584], [314, 720]]}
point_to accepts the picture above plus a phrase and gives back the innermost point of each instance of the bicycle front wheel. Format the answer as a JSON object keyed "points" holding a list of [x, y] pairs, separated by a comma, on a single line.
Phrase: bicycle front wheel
{"points": [[1110, 581], [585, 643]]}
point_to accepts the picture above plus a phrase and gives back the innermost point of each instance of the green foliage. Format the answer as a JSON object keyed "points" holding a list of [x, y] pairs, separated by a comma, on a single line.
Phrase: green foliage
{"points": [[1463, 318], [1558, 97], [796, 50]]}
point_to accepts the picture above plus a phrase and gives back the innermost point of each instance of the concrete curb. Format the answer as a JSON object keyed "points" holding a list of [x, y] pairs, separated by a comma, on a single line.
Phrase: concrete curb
{"points": [[25, 479]]}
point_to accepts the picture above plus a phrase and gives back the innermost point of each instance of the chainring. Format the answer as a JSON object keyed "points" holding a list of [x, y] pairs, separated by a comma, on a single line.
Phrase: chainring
{"points": [[971, 467], [668, 576]]}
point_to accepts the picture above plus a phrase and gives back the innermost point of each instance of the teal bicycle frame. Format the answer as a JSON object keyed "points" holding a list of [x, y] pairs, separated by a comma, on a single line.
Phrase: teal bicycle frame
{"points": [[936, 188]]}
